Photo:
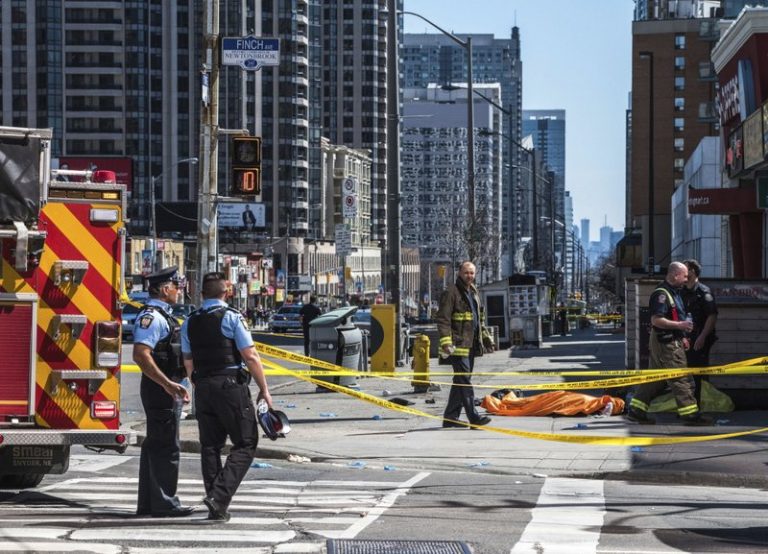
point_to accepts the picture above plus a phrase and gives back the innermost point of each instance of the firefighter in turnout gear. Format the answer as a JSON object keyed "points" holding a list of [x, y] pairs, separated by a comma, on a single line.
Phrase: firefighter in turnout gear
{"points": [[217, 348], [157, 351], [459, 324], [668, 343]]}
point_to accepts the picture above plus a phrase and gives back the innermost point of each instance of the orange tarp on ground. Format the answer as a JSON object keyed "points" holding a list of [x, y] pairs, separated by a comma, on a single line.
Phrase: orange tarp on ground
{"points": [[548, 403]]}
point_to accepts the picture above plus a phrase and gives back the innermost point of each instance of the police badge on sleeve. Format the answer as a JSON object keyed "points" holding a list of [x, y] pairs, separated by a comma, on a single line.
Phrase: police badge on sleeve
{"points": [[146, 321]]}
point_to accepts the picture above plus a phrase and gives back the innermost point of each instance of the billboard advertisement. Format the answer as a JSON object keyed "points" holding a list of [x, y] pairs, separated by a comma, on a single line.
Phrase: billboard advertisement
{"points": [[123, 167], [242, 216]]}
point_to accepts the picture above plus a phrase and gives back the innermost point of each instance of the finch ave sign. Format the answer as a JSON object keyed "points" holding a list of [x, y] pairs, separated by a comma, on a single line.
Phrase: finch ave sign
{"points": [[250, 53]]}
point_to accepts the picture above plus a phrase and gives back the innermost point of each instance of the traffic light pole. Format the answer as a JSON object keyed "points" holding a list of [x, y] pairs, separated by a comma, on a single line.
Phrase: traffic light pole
{"points": [[207, 234]]}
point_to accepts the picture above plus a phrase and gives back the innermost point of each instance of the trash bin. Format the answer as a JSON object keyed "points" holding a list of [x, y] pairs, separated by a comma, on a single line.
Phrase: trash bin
{"points": [[334, 338]]}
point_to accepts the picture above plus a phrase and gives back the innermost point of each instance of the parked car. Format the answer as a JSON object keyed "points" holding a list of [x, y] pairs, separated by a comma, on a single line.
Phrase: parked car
{"points": [[129, 319], [362, 318], [182, 311], [287, 318]]}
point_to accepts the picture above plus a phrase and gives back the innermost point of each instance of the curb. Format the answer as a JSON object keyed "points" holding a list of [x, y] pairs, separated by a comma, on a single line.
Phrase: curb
{"points": [[662, 477]]}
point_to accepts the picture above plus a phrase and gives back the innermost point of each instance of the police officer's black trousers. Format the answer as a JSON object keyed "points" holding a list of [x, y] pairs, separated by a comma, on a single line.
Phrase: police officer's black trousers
{"points": [[159, 462], [698, 358], [462, 395], [224, 408]]}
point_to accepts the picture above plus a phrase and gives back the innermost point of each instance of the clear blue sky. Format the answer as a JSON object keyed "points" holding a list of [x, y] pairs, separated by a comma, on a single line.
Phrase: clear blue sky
{"points": [[577, 57]]}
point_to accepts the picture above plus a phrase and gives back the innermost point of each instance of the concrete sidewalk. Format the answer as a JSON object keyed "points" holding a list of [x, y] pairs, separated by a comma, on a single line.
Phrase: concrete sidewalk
{"points": [[336, 428]]}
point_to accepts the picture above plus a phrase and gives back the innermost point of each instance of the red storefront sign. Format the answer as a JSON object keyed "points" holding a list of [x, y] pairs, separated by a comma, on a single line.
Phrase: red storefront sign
{"points": [[722, 201]]}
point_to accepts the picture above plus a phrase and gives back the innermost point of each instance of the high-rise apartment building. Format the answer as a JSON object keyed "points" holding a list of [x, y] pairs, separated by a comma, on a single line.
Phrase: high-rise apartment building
{"points": [[434, 194], [97, 73], [547, 130], [673, 96], [436, 59], [677, 9], [354, 96]]}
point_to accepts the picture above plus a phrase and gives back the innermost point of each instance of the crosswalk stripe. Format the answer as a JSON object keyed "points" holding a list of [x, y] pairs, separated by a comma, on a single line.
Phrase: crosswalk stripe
{"points": [[38, 546], [375, 512], [215, 535], [567, 518], [84, 510], [95, 463]]}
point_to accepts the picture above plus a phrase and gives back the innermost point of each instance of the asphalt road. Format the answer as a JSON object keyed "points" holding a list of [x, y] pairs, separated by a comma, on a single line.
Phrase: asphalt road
{"points": [[291, 507]]}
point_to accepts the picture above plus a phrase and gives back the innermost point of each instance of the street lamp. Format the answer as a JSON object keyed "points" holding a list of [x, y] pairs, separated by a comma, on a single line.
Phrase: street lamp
{"points": [[153, 220], [467, 45], [646, 55]]}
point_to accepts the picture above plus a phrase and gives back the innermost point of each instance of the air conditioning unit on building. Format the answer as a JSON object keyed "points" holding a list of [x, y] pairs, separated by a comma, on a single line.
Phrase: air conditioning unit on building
{"points": [[338, 172]]}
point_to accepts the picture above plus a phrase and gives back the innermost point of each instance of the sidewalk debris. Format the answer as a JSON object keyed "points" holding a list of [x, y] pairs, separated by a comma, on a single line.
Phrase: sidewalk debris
{"points": [[389, 468], [637, 449], [357, 465], [542, 475], [402, 401], [377, 417], [298, 459], [327, 414], [480, 464], [261, 465]]}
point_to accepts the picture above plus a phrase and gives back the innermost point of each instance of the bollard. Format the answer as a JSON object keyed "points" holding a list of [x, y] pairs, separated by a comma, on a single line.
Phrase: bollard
{"points": [[420, 363]]}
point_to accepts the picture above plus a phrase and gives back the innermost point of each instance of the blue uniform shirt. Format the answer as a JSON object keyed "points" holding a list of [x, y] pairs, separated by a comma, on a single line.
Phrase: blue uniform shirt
{"points": [[233, 326], [149, 327]]}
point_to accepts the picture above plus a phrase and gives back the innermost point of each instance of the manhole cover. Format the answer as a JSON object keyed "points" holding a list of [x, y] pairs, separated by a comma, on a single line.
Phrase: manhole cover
{"points": [[355, 546]]}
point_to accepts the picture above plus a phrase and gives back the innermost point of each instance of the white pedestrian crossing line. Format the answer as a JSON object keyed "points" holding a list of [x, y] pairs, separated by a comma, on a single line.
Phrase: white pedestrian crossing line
{"points": [[86, 511], [95, 463], [567, 518]]}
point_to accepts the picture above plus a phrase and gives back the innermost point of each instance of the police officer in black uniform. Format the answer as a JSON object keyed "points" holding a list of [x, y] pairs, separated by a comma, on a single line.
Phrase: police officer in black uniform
{"points": [[157, 351], [700, 303], [217, 348]]}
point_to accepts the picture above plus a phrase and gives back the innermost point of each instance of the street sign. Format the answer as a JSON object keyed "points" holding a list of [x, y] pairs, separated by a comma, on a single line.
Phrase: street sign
{"points": [[343, 239], [250, 53], [350, 205]]}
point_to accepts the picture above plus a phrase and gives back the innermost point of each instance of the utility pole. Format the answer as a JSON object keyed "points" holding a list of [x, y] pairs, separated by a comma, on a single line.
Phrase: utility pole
{"points": [[207, 236], [393, 171]]}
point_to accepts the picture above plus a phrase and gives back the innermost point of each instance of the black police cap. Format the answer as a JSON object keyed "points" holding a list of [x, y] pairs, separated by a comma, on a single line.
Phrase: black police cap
{"points": [[163, 276]]}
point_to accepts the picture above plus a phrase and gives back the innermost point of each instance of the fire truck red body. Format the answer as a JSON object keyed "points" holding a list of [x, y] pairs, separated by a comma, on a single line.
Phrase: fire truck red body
{"points": [[62, 242]]}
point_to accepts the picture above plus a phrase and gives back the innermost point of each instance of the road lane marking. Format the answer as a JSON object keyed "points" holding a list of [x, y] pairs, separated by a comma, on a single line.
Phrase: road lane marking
{"points": [[567, 518]]}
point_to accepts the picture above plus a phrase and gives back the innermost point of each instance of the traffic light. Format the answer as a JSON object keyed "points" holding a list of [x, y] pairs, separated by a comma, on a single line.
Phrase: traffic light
{"points": [[246, 166]]}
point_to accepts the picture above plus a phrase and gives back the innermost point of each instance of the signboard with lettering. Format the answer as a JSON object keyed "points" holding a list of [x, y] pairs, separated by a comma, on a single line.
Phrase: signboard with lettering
{"points": [[242, 216], [343, 239], [753, 139], [251, 53]]}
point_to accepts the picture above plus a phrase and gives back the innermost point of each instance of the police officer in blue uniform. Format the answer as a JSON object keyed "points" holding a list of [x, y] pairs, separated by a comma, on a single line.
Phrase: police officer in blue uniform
{"points": [[157, 351], [217, 348]]}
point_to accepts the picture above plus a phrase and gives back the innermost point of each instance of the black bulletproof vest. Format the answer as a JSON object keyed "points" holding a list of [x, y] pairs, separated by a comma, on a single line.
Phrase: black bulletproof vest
{"points": [[167, 351], [212, 352]]}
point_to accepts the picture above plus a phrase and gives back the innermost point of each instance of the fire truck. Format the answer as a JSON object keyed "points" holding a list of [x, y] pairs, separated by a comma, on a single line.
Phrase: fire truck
{"points": [[62, 244]]}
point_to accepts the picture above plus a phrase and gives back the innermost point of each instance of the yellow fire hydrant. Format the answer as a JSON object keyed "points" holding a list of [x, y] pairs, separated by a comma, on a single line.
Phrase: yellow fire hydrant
{"points": [[420, 363]]}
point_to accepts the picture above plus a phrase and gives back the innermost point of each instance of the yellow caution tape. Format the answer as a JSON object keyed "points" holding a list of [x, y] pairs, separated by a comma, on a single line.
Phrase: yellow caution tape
{"points": [[284, 335], [557, 437], [755, 365]]}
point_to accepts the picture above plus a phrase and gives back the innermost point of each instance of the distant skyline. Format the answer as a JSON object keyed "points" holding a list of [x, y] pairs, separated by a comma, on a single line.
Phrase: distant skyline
{"points": [[577, 57]]}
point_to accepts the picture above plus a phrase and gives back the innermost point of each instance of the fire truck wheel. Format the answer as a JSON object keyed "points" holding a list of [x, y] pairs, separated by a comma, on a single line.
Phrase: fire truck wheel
{"points": [[26, 481]]}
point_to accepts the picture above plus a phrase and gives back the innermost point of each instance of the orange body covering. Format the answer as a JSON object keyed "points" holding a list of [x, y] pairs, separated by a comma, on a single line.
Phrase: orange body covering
{"points": [[548, 403]]}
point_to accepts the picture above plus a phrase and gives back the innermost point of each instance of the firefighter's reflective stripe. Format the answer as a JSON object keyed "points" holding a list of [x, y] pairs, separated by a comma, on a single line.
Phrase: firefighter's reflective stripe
{"points": [[461, 316], [445, 340], [461, 352]]}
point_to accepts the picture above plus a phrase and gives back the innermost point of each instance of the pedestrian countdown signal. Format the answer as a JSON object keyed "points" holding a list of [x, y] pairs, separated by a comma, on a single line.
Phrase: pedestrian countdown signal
{"points": [[246, 166]]}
